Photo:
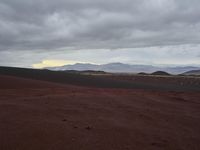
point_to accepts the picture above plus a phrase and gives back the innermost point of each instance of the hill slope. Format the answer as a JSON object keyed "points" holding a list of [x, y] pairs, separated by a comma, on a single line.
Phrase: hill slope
{"points": [[106, 81], [162, 73], [192, 72]]}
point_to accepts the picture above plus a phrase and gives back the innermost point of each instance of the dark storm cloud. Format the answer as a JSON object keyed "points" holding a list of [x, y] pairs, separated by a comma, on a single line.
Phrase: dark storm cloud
{"points": [[93, 24]]}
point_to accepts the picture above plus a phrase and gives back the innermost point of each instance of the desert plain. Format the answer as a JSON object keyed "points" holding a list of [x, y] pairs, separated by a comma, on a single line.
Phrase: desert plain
{"points": [[44, 115]]}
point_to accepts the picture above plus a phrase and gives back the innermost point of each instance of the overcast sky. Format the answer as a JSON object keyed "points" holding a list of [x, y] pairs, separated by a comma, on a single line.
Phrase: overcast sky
{"points": [[56, 32]]}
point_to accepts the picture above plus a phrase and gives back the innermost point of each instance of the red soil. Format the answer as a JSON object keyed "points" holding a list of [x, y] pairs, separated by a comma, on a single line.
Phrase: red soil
{"points": [[37, 115]]}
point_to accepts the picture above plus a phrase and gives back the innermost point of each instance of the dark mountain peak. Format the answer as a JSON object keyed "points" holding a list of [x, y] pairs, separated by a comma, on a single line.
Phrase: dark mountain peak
{"points": [[160, 73]]}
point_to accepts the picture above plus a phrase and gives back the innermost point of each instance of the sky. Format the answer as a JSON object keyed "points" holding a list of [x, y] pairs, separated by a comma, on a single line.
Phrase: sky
{"points": [[45, 33]]}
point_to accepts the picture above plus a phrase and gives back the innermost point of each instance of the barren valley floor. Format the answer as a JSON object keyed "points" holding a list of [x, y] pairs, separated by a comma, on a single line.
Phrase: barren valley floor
{"points": [[40, 115]]}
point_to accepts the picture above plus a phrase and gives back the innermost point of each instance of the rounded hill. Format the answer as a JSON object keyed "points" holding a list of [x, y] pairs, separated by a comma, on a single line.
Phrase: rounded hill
{"points": [[162, 73]]}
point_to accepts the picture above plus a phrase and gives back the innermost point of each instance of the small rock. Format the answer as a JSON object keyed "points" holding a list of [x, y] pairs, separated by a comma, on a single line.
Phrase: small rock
{"points": [[75, 127], [88, 128]]}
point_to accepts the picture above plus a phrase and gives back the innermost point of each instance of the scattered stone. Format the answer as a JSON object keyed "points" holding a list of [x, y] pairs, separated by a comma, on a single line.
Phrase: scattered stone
{"points": [[75, 127], [88, 128]]}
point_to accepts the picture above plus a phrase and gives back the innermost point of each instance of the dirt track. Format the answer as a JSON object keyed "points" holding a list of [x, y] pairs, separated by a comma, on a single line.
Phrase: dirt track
{"points": [[37, 115]]}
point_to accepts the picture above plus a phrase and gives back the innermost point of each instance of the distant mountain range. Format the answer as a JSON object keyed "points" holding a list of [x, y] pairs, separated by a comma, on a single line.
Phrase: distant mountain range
{"points": [[123, 68], [192, 72]]}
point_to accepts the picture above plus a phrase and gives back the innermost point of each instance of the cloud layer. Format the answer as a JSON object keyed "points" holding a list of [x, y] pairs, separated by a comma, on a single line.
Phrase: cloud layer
{"points": [[95, 24], [168, 55], [99, 31]]}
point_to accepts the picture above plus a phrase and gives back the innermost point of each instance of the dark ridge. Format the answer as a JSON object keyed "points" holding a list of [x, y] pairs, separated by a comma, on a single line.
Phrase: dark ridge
{"points": [[86, 71], [90, 80], [161, 73], [72, 78], [143, 73]]}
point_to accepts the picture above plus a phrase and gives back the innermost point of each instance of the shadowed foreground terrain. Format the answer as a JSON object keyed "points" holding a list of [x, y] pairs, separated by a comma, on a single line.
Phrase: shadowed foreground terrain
{"points": [[122, 81], [43, 115]]}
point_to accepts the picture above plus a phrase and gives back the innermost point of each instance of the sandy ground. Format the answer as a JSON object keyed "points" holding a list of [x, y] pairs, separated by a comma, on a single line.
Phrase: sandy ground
{"points": [[37, 115]]}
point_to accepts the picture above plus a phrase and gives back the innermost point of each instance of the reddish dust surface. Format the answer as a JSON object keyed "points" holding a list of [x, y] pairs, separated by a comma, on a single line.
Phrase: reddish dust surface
{"points": [[36, 115]]}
